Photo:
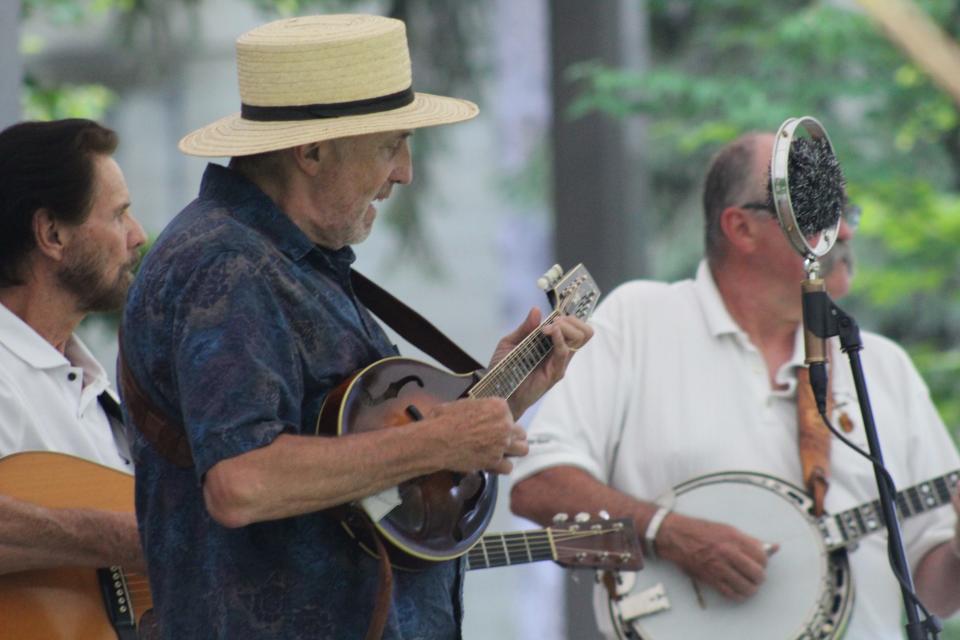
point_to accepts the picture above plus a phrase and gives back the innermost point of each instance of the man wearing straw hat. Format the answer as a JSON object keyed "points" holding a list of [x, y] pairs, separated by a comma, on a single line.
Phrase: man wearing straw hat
{"points": [[243, 318]]}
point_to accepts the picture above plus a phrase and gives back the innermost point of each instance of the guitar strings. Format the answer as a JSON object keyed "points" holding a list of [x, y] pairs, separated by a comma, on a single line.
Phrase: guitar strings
{"points": [[526, 347], [542, 542]]}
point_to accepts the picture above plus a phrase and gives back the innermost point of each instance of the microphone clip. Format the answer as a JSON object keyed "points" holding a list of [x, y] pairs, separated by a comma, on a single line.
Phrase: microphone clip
{"points": [[824, 319]]}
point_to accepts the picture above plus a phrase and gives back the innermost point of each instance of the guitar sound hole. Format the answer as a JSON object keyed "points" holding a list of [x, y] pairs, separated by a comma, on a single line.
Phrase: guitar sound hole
{"points": [[411, 515], [471, 489]]}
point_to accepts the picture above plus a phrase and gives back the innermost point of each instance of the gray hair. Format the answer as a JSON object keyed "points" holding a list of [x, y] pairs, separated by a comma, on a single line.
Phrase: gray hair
{"points": [[730, 178]]}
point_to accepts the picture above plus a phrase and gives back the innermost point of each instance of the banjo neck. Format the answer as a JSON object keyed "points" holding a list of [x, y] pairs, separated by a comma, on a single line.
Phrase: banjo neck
{"points": [[847, 527]]}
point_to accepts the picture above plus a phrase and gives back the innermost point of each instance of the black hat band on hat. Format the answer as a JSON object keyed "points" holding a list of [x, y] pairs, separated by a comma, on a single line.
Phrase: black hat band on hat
{"points": [[332, 110]]}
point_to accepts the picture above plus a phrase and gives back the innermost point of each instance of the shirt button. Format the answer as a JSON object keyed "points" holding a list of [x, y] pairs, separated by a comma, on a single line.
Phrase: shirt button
{"points": [[71, 376]]}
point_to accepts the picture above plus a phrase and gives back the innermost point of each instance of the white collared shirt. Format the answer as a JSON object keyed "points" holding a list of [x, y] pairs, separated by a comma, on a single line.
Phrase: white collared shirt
{"points": [[48, 399], [671, 388]]}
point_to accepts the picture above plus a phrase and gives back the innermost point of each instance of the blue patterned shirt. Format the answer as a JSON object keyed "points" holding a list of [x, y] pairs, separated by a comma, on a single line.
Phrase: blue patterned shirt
{"points": [[237, 326]]}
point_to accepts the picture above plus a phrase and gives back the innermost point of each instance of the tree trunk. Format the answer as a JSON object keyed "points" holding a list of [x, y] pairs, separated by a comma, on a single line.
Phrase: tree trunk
{"points": [[600, 182], [11, 66]]}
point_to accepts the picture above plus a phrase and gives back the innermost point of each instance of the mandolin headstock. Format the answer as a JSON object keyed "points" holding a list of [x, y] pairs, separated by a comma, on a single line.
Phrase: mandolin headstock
{"points": [[596, 542], [573, 293]]}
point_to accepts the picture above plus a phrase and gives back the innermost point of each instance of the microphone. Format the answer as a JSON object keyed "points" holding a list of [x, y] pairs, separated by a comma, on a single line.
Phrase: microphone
{"points": [[816, 185], [808, 190]]}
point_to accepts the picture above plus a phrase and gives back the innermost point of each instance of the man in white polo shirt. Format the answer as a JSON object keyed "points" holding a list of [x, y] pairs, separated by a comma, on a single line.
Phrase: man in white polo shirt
{"points": [[701, 376], [68, 246]]}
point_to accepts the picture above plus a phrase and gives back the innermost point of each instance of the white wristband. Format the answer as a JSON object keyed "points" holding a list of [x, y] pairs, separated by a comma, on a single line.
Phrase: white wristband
{"points": [[955, 547], [650, 535]]}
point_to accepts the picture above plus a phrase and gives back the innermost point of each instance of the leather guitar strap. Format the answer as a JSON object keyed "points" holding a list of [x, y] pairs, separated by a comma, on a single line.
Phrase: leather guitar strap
{"points": [[814, 441], [412, 326], [381, 601], [166, 436]]}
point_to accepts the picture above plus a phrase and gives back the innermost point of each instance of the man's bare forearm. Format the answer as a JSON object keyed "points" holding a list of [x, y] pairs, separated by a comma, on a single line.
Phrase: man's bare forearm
{"points": [[570, 489], [35, 537]]}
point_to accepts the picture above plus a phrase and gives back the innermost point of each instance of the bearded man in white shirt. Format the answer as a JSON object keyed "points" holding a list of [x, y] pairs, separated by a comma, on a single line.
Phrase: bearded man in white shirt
{"points": [[700, 377], [68, 247]]}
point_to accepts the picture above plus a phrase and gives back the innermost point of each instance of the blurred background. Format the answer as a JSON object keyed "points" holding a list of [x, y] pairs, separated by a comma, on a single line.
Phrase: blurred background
{"points": [[597, 121]]}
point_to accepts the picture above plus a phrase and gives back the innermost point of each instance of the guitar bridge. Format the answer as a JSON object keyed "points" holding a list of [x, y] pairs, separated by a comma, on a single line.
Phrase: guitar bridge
{"points": [[644, 603], [116, 599]]}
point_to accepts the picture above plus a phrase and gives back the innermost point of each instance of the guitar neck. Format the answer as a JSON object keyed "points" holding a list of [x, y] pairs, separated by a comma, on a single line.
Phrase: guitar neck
{"points": [[502, 549], [504, 378], [858, 522]]}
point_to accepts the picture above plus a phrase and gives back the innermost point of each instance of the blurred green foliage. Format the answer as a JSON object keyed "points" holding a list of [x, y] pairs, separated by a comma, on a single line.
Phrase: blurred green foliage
{"points": [[65, 101], [446, 63], [721, 68]]}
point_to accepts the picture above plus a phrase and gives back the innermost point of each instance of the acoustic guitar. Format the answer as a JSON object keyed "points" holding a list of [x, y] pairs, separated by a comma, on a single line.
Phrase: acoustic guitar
{"points": [[69, 603], [584, 543], [441, 515]]}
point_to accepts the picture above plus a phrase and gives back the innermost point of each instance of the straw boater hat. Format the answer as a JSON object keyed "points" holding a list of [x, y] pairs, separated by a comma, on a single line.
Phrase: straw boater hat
{"points": [[315, 78]]}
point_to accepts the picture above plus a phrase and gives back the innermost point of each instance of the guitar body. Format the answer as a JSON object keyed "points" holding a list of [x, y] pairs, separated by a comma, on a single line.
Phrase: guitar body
{"points": [[442, 514], [807, 594], [66, 603], [54, 604]]}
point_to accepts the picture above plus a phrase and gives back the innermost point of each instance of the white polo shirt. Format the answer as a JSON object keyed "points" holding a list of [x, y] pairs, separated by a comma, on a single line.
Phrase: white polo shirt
{"points": [[670, 388], [48, 400]]}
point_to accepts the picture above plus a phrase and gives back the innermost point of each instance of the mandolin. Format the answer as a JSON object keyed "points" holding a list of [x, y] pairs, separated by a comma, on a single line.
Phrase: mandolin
{"points": [[439, 516], [69, 603]]}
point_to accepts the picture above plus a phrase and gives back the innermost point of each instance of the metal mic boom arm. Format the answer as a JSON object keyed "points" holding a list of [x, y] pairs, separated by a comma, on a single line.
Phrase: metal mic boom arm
{"points": [[824, 319]]}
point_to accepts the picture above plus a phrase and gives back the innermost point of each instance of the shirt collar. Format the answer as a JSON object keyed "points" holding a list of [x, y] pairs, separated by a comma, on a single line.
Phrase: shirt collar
{"points": [[248, 204], [720, 323], [25, 343], [719, 320], [787, 374], [338, 261], [28, 345], [94, 375]]}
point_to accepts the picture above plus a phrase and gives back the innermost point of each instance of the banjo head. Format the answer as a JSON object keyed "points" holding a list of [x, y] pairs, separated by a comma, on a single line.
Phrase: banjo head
{"points": [[807, 592]]}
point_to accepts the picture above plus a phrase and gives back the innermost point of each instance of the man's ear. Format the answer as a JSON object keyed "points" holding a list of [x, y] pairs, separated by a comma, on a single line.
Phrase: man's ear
{"points": [[308, 157], [740, 228], [51, 235]]}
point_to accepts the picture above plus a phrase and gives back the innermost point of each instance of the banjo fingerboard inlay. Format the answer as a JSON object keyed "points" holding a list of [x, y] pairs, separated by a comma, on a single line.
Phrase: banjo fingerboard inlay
{"points": [[855, 523]]}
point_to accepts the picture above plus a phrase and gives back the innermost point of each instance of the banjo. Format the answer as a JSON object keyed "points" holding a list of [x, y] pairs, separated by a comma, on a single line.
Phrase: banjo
{"points": [[808, 592]]}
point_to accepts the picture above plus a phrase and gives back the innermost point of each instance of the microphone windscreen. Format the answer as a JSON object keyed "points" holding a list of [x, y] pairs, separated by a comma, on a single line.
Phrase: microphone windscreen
{"points": [[816, 185]]}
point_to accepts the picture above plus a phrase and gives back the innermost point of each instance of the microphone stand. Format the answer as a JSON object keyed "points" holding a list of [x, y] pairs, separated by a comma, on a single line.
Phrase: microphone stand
{"points": [[825, 319]]}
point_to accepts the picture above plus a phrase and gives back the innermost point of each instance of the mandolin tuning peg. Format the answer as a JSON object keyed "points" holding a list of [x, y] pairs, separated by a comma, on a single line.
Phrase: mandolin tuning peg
{"points": [[560, 518], [582, 517], [603, 515], [550, 278]]}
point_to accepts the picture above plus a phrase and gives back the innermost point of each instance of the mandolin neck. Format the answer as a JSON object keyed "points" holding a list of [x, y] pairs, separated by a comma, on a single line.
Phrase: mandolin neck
{"points": [[502, 549], [507, 375]]}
